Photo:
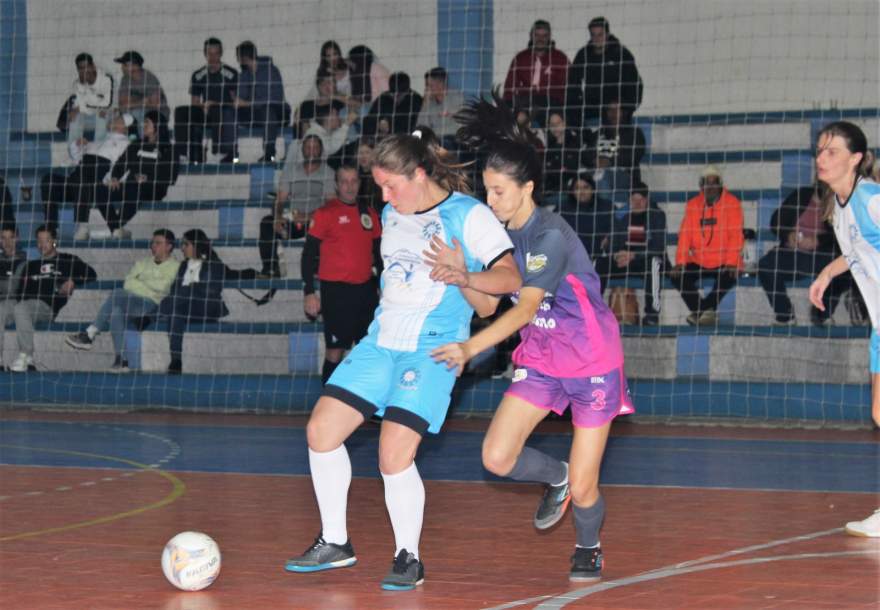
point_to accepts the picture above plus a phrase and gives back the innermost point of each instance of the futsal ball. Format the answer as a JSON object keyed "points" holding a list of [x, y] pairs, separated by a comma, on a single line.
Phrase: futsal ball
{"points": [[191, 561]]}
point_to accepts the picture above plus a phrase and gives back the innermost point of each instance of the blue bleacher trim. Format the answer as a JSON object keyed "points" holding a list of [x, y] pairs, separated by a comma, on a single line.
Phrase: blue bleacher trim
{"points": [[465, 44], [296, 394], [278, 284], [144, 244], [692, 355], [57, 136], [759, 118], [234, 328], [717, 156], [231, 222], [132, 341], [303, 352]]}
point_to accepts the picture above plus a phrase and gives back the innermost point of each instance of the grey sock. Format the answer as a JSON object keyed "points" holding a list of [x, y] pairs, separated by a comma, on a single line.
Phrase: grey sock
{"points": [[533, 465], [587, 522]]}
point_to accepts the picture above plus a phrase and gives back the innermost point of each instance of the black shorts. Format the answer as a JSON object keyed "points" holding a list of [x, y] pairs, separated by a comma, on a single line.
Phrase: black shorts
{"points": [[347, 310]]}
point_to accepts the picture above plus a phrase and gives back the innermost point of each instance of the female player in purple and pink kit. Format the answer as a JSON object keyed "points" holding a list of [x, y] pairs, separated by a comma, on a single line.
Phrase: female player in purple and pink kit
{"points": [[570, 351]]}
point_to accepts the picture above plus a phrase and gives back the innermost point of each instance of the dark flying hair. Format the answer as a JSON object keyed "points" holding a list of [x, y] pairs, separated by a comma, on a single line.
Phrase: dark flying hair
{"points": [[491, 126]]}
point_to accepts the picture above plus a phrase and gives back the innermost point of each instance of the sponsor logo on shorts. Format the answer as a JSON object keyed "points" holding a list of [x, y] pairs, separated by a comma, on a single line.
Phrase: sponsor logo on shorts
{"points": [[597, 379], [519, 374], [409, 379]]}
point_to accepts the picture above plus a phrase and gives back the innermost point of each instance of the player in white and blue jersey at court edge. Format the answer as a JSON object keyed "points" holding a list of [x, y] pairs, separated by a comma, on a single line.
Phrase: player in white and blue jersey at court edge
{"points": [[390, 373], [843, 164]]}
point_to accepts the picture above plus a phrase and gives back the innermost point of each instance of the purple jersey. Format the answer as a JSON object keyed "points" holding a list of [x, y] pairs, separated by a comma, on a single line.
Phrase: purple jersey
{"points": [[574, 333]]}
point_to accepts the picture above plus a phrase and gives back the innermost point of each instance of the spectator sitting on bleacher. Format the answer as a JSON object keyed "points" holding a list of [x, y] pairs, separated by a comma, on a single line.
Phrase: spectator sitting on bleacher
{"points": [[342, 248], [211, 89], [710, 242], [146, 284], [306, 182], [439, 107], [7, 206], [142, 174], [537, 76], [324, 99], [96, 159], [589, 215], [400, 106], [41, 287], [259, 99], [333, 62], [10, 260], [330, 128], [93, 93], [368, 77], [806, 245], [615, 150], [562, 159], [359, 153], [196, 294], [602, 71], [139, 90], [638, 249]]}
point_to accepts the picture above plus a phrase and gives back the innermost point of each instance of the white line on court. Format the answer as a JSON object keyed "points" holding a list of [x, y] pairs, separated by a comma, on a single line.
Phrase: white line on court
{"points": [[552, 602]]}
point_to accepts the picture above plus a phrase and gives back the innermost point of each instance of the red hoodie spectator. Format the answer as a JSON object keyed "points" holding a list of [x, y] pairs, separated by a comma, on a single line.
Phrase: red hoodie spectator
{"points": [[537, 76]]}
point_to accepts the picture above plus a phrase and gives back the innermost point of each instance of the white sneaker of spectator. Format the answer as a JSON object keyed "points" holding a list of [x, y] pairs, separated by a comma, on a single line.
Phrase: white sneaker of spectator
{"points": [[121, 233], [869, 528], [21, 363], [82, 231]]}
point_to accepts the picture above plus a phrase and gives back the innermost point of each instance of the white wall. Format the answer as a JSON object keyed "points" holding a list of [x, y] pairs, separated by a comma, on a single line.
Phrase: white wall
{"points": [[170, 35], [699, 56]]}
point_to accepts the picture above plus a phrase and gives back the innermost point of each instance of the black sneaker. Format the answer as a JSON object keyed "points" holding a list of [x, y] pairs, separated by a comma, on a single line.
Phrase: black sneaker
{"points": [[80, 340], [586, 564], [323, 555], [553, 504], [406, 573], [651, 319], [175, 368], [120, 365]]}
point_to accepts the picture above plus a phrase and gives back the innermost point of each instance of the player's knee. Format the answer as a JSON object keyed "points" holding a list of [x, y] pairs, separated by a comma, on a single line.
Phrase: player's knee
{"points": [[319, 435], [497, 460], [584, 491], [875, 413], [393, 460]]}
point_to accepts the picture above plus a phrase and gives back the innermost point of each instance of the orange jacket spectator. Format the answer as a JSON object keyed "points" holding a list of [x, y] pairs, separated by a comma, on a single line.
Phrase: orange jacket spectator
{"points": [[711, 236]]}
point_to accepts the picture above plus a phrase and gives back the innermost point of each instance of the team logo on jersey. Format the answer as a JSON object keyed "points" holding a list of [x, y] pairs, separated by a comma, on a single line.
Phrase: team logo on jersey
{"points": [[409, 379], [431, 229], [366, 222], [535, 263], [519, 374], [400, 266]]}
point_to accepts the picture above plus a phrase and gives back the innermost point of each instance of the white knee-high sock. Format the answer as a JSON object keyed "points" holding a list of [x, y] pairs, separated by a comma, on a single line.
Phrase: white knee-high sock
{"points": [[405, 500], [331, 477]]}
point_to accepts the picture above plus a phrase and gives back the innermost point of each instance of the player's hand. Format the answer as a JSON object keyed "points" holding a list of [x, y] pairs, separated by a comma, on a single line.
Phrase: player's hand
{"points": [[623, 258], [439, 253], [280, 226], [114, 184], [312, 306], [817, 289], [675, 272], [455, 355], [450, 275]]}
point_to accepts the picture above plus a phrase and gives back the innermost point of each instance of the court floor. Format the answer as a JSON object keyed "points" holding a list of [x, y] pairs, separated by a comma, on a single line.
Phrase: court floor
{"points": [[698, 517]]}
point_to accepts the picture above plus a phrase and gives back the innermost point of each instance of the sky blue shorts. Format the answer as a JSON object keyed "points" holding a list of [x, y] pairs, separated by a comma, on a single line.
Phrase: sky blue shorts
{"points": [[406, 387]]}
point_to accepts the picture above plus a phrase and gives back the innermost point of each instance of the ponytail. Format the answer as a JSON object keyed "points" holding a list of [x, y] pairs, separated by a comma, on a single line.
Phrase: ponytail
{"points": [[403, 153]]}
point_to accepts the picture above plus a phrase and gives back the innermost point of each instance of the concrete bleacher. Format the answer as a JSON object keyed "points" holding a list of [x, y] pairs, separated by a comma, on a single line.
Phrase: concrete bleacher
{"points": [[760, 161]]}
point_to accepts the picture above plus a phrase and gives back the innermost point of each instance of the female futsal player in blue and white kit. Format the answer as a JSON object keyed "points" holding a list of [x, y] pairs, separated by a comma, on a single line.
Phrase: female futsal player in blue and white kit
{"points": [[843, 163], [570, 351], [390, 373]]}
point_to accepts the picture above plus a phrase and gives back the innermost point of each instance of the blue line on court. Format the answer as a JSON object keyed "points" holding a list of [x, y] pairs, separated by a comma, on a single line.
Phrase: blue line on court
{"points": [[455, 455]]}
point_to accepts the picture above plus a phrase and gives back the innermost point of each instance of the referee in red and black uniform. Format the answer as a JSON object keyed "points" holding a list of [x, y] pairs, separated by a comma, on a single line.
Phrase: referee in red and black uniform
{"points": [[342, 245]]}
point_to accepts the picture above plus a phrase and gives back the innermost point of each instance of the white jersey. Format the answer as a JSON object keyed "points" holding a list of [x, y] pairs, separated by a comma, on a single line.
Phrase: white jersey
{"points": [[857, 228], [90, 99], [415, 312]]}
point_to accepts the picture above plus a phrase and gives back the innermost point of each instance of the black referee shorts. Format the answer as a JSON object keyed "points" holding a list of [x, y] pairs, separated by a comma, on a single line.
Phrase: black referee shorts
{"points": [[347, 310]]}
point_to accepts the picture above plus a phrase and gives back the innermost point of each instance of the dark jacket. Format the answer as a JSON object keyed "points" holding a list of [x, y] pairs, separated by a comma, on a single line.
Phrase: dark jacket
{"points": [[561, 160], [623, 145], [592, 223], [155, 161], [201, 300], [263, 86], [401, 115], [594, 79], [8, 266], [41, 278], [7, 206], [655, 234], [785, 218]]}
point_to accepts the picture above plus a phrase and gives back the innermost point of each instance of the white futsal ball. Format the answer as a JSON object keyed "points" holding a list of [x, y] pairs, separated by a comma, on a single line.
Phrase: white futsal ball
{"points": [[191, 561]]}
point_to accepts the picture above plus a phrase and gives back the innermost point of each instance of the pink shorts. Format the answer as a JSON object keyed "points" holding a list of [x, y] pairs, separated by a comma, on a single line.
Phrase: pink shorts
{"points": [[594, 400]]}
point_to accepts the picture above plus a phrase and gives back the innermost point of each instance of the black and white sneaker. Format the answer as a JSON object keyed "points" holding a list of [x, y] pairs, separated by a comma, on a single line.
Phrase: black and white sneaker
{"points": [[406, 573], [80, 340], [323, 555], [586, 564], [120, 365], [552, 507]]}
